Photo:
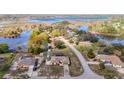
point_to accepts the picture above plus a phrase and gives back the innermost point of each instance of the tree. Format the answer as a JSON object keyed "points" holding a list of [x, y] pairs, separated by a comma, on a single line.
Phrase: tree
{"points": [[40, 28], [75, 30], [36, 50], [4, 47], [102, 66], [55, 32], [77, 42], [59, 44], [90, 54]]}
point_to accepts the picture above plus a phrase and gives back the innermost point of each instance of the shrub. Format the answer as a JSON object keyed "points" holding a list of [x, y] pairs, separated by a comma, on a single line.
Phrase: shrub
{"points": [[59, 44], [71, 41], [77, 42], [90, 54], [108, 50], [102, 66]]}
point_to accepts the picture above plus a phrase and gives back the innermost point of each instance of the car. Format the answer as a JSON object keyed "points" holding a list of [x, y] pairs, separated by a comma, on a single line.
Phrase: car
{"points": [[36, 62], [35, 68], [2, 59]]}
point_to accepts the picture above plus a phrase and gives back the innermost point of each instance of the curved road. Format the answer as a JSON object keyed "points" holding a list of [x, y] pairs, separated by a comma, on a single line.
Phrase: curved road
{"points": [[88, 73]]}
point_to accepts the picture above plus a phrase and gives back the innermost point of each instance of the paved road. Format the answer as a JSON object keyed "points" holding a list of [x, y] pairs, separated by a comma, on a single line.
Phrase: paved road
{"points": [[88, 73]]}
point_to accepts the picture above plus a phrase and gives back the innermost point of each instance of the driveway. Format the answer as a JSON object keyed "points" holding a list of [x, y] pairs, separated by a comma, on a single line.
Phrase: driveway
{"points": [[88, 73]]}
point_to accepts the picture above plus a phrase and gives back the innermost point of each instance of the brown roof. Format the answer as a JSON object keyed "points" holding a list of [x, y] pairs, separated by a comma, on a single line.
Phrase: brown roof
{"points": [[58, 60], [113, 58], [26, 62]]}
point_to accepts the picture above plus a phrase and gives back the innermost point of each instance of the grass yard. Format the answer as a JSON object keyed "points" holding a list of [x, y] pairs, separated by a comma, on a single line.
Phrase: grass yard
{"points": [[108, 72], [51, 71], [4, 66]]}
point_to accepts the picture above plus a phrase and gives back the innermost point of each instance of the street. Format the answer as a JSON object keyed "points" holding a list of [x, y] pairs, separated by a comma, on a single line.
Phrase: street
{"points": [[88, 73]]}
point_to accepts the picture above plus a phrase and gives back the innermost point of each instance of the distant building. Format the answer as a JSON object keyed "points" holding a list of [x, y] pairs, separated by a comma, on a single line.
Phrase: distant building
{"points": [[70, 33], [85, 43]]}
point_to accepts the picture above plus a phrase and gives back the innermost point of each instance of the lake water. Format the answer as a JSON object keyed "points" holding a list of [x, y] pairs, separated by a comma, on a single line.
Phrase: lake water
{"points": [[83, 28], [111, 39], [106, 39], [19, 41], [57, 19]]}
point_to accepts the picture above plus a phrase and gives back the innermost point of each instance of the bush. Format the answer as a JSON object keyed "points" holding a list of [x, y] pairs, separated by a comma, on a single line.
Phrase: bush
{"points": [[90, 54], [77, 42], [71, 41], [108, 50], [102, 66], [59, 44]]}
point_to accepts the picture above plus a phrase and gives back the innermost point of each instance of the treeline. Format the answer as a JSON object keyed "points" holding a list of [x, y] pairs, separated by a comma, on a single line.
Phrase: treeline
{"points": [[108, 28]]}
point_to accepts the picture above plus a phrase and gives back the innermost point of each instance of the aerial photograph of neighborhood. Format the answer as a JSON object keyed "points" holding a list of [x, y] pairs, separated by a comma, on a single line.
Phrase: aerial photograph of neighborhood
{"points": [[34, 46]]}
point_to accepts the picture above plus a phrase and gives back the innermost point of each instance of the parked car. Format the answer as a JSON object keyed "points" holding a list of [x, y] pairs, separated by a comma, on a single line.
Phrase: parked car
{"points": [[35, 68], [36, 62], [2, 59]]}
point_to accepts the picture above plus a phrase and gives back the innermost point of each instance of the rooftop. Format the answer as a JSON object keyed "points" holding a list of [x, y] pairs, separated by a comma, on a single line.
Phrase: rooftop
{"points": [[113, 58], [58, 60], [26, 61]]}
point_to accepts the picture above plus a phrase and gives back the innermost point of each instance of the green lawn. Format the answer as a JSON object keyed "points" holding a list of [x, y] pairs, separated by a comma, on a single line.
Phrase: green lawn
{"points": [[5, 55], [4, 66]]}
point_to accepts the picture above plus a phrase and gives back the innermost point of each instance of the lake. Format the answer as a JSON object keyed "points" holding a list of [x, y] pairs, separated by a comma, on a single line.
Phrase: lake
{"points": [[21, 40], [106, 39], [57, 19]]}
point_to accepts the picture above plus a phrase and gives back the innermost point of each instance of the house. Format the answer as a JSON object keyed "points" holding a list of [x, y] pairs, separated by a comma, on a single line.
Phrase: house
{"points": [[70, 33], [88, 43], [58, 59], [110, 59], [25, 61]]}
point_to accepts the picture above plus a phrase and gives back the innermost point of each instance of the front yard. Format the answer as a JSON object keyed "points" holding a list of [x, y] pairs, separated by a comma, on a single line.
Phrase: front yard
{"points": [[108, 72]]}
